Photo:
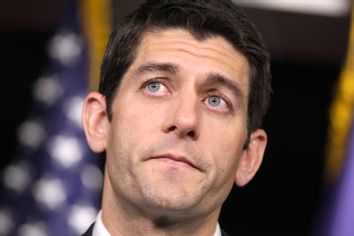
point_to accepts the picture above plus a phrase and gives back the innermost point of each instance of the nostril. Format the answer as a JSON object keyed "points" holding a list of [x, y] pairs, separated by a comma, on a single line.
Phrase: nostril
{"points": [[191, 133], [172, 128]]}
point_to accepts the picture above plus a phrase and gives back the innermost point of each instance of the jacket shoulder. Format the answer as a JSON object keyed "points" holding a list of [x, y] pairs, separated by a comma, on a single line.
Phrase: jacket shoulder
{"points": [[223, 233]]}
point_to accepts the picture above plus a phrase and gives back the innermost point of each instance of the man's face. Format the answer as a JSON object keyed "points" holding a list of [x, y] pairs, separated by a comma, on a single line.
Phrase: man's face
{"points": [[179, 125]]}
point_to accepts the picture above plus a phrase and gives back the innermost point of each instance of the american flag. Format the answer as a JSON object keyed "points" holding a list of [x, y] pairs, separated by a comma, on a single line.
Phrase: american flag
{"points": [[53, 185]]}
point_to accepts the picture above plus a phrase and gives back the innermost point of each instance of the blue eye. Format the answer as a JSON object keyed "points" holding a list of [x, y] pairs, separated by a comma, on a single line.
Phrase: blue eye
{"points": [[214, 101], [154, 87], [218, 102]]}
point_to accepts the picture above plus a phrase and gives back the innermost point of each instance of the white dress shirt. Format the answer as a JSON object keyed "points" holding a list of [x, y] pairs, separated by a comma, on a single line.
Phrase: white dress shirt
{"points": [[100, 230]]}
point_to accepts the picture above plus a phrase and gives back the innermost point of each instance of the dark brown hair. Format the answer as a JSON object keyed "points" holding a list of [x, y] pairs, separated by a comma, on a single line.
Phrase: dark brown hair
{"points": [[203, 19]]}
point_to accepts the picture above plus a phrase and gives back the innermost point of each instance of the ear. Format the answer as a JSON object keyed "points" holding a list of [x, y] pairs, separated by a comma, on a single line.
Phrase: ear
{"points": [[95, 121], [251, 158]]}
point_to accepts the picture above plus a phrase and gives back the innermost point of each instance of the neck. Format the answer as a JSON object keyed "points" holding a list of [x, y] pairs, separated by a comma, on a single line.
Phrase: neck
{"points": [[121, 218]]}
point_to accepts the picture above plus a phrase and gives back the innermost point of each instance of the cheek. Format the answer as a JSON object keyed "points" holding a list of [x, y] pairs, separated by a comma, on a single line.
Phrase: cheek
{"points": [[126, 131], [133, 126], [123, 142], [226, 147]]}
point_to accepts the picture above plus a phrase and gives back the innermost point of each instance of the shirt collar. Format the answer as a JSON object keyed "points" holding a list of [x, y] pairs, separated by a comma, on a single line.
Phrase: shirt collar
{"points": [[100, 230]]}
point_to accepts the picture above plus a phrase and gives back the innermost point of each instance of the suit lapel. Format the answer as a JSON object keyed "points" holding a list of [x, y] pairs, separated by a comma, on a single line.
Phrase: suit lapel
{"points": [[89, 231]]}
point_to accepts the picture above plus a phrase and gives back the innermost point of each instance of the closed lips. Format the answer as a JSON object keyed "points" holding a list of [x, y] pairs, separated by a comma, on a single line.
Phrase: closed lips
{"points": [[174, 158]]}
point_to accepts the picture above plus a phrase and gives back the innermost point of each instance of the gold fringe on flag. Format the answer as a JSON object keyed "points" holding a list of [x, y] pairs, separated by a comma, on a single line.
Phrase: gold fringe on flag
{"points": [[96, 18], [341, 114]]}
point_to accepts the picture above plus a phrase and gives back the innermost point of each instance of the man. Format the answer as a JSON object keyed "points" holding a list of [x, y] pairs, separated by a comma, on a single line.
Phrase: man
{"points": [[184, 85]]}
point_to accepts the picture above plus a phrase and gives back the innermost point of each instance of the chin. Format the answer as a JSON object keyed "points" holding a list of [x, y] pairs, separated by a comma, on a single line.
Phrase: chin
{"points": [[172, 202], [166, 211]]}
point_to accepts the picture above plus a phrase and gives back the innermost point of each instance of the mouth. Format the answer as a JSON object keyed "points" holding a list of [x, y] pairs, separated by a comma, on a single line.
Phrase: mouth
{"points": [[176, 160]]}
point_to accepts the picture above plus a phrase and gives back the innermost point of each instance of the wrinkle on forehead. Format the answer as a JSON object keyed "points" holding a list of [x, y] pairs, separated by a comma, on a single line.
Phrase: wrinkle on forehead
{"points": [[214, 49]]}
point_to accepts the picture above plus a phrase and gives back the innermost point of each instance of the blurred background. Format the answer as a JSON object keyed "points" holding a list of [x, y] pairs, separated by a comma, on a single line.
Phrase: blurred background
{"points": [[308, 41]]}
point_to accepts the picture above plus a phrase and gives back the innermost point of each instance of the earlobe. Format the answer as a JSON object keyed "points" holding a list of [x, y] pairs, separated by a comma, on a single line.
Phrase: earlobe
{"points": [[251, 158], [95, 121]]}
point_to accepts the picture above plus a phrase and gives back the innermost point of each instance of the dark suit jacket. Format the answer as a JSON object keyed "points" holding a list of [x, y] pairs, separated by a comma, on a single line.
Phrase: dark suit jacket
{"points": [[89, 231]]}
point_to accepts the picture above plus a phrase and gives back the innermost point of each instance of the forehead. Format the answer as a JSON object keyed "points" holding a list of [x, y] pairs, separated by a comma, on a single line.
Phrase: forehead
{"points": [[211, 55]]}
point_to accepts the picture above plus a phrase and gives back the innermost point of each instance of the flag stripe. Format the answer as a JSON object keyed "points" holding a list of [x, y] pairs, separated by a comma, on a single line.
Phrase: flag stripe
{"points": [[341, 114], [97, 27]]}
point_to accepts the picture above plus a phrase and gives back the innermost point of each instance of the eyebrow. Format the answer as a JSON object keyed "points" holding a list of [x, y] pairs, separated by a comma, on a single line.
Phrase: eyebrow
{"points": [[216, 79], [162, 67]]}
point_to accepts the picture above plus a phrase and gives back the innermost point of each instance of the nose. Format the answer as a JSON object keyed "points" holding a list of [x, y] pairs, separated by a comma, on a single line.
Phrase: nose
{"points": [[183, 116]]}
